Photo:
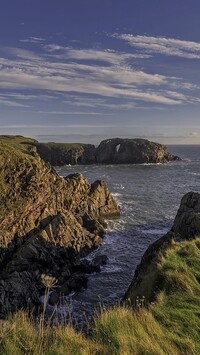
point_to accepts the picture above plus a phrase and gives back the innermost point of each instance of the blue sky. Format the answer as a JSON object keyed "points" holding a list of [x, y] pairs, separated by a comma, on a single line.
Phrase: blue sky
{"points": [[84, 70]]}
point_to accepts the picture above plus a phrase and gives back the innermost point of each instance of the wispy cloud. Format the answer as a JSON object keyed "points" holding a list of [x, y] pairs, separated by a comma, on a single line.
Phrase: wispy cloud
{"points": [[11, 103], [163, 45], [74, 113], [20, 53], [105, 74], [20, 100], [36, 40], [107, 81], [109, 56], [78, 101]]}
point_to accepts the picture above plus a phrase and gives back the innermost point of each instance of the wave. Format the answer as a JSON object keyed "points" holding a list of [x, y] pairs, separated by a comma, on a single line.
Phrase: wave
{"points": [[116, 194], [196, 174]]}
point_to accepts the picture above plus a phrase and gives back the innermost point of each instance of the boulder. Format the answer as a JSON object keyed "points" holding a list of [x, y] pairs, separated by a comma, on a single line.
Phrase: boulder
{"points": [[54, 298], [100, 260], [64, 289], [76, 281]]}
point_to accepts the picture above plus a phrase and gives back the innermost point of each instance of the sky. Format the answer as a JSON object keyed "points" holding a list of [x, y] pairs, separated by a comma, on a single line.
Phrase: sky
{"points": [[85, 70]]}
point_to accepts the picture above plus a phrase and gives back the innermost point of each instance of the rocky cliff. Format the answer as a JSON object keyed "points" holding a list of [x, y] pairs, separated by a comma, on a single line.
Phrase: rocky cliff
{"points": [[59, 154], [46, 222], [132, 151], [110, 151], [147, 281]]}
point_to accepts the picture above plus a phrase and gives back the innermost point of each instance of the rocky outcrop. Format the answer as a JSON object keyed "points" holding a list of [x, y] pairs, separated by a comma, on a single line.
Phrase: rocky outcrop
{"points": [[132, 151], [59, 154], [46, 222], [186, 226], [110, 151], [187, 221]]}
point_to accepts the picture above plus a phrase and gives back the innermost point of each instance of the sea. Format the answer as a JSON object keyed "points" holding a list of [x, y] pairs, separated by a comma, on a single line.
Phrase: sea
{"points": [[149, 196]]}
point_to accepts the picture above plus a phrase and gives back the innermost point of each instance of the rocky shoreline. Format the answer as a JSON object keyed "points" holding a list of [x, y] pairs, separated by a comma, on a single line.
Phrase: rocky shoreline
{"points": [[47, 224]]}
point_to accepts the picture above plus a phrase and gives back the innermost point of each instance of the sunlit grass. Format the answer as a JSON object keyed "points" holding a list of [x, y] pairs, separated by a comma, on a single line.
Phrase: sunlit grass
{"points": [[169, 326]]}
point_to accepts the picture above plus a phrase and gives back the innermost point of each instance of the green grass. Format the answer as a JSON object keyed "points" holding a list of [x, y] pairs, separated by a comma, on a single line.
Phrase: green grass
{"points": [[17, 154], [20, 336], [171, 325], [53, 145]]}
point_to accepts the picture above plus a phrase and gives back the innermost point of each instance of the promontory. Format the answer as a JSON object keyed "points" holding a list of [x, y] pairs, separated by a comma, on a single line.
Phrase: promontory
{"points": [[109, 151]]}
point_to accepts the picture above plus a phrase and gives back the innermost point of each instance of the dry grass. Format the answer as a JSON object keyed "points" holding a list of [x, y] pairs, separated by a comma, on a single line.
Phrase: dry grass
{"points": [[170, 326]]}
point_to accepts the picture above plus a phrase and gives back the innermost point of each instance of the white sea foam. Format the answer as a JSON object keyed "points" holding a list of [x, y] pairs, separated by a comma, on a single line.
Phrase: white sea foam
{"points": [[116, 194], [110, 269], [195, 174]]}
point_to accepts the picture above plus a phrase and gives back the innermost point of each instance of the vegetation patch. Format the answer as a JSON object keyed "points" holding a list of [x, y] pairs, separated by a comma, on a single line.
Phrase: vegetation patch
{"points": [[171, 325]]}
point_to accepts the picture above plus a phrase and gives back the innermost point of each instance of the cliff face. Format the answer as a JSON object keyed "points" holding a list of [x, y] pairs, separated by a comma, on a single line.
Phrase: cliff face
{"points": [[59, 154], [45, 222], [186, 226], [110, 151]]}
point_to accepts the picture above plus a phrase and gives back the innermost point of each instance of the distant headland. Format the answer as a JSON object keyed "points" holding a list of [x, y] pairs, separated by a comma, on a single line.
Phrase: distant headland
{"points": [[109, 151]]}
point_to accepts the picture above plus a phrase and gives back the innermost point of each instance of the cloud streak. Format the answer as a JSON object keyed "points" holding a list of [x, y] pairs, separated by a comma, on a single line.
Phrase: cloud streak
{"points": [[115, 80], [162, 45], [68, 73]]}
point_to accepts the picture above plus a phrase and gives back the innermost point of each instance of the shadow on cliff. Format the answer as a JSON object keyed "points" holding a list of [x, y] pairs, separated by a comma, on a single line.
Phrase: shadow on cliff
{"points": [[6, 254], [30, 264]]}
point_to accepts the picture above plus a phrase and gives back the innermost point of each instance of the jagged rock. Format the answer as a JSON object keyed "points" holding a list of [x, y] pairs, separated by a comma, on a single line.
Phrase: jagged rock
{"points": [[65, 272], [77, 280], [100, 260], [42, 229], [66, 153], [187, 221], [64, 290], [54, 298]]}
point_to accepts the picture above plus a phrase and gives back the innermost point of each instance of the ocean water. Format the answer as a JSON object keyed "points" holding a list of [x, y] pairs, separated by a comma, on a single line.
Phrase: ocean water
{"points": [[149, 196]]}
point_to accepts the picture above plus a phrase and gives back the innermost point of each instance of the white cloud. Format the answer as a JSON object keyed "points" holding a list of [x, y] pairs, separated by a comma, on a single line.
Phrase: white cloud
{"points": [[110, 75], [11, 103], [162, 45], [73, 113], [36, 40], [194, 134], [20, 53], [98, 103], [82, 78], [109, 56]]}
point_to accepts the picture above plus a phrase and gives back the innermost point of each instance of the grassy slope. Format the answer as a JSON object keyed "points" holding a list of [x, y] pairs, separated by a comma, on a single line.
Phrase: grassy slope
{"points": [[62, 145], [170, 326], [14, 151]]}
